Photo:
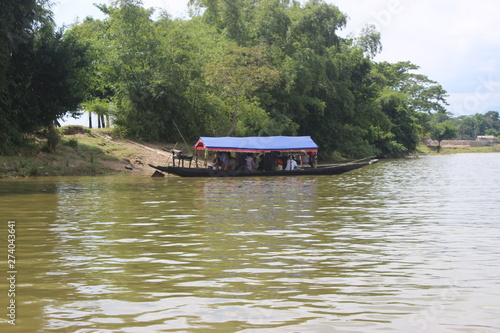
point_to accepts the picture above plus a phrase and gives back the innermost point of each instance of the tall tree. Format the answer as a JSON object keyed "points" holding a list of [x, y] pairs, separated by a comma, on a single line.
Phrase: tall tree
{"points": [[228, 16], [369, 41], [404, 96], [42, 73], [250, 67], [239, 73], [17, 23]]}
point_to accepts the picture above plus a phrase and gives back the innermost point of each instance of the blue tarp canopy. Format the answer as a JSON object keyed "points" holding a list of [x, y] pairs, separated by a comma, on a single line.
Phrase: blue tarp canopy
{"points": [[257, 143]]}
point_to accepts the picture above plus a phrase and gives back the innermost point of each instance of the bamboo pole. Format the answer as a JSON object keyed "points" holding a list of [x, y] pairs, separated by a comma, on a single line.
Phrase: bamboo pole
{"points": [[361, 159]]}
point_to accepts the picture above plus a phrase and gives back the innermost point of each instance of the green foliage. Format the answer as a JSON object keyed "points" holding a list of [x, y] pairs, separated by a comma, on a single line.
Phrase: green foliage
{"points": [[42, 72], [406, 99], [369, 41], [237, 67], [73, 143], [239, 73], [26, 168], [443, 131], [53, 139], [258, 68], [470, 127]]}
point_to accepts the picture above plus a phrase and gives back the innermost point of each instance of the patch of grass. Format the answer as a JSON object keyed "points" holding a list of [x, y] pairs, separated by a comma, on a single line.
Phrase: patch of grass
{"points": [[18, 165], [461, 150], [73, 143], [26, 167], [431, 150], [79, 154]]}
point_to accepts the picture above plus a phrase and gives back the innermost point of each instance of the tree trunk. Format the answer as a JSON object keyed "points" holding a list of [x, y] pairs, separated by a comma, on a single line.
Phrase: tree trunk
{"points": [[103, 123], [90, 119]]}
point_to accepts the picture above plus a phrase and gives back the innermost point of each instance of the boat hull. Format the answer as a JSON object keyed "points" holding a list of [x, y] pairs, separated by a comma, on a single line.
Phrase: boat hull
{"points": [[205, 172]]}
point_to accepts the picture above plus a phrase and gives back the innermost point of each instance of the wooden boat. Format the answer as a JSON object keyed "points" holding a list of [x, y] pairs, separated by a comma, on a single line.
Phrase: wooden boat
{"points": [[206, 172], [270, 146]]}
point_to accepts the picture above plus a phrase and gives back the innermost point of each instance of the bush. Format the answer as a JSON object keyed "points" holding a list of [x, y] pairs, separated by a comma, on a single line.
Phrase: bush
{"points": [[73, 143], [53, 139]]}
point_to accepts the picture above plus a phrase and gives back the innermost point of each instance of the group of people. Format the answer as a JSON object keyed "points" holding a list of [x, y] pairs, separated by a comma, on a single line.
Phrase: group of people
{"points": [[225, 161], [292, 162]]}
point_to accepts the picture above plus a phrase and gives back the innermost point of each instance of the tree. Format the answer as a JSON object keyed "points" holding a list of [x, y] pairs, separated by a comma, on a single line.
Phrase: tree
{"points": [[315, 26], [424, 94], [229, 17], [101, 87], [57, 79], [17, 19], [240, 72], [99, 107], [443, 131], [17, 24], [42, 73], [402, 135], [405, 97], [266, 67], [369, 41]]}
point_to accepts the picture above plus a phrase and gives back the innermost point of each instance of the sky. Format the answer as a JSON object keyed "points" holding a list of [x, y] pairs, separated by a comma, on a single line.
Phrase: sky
{"points": [[455, 42]]}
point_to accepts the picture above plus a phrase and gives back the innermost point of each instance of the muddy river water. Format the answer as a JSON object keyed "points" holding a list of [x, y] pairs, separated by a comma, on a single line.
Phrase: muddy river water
{"points": [[403, 245]]}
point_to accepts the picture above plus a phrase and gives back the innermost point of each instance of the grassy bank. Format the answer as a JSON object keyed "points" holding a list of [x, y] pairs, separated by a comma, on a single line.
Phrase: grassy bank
{"points": [[79, 152], [447, 150], [82, 152]]}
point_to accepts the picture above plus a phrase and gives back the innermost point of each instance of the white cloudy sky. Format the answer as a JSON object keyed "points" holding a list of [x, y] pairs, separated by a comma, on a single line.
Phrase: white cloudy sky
{"points": [[455, 42]]}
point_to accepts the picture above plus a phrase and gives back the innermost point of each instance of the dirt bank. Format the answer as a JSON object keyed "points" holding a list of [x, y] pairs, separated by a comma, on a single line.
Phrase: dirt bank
{"points": [[84, 152]]}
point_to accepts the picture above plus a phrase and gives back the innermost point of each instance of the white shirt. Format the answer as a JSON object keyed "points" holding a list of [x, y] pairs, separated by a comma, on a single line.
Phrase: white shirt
{"points": [[291, 164]]}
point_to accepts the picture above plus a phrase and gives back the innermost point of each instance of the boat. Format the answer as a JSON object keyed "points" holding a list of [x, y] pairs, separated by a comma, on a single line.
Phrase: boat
{"points": [[308, 171], [263, 145]]}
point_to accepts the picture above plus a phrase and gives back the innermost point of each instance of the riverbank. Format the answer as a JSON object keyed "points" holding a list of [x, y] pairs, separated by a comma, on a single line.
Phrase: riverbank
{"points": [[448, 150], [83, 152]]}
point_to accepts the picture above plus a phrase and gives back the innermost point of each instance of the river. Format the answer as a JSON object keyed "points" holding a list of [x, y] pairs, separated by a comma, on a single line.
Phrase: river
{"points": [[403, 245]]}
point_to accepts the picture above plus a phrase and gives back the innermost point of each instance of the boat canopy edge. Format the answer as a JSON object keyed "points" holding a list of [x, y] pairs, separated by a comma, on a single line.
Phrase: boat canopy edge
{"points": [[255, 144]]}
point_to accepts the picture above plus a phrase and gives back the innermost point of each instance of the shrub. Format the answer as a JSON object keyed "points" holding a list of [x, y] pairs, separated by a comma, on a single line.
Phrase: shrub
{"points": [[53, 139], [73, 143]]}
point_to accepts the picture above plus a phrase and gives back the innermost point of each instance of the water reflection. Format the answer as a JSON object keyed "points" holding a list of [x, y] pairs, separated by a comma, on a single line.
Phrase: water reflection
{"points": [[382, 248]]}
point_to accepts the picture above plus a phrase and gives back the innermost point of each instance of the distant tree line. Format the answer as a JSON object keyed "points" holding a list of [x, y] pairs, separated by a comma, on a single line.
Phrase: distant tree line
{"points": [[469, 127], [236, 67]]}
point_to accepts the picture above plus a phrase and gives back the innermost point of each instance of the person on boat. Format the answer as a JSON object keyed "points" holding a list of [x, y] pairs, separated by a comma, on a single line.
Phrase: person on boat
{"points": [[291, 164], [216, 162], [249, 162], [312, 159], [232, 162], [224, 160], [279, 164], [260, 165], [304, 158], [284, 159]]}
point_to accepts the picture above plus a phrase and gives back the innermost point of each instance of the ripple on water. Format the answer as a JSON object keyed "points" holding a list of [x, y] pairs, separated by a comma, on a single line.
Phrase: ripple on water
{"points": [[406, 245]]}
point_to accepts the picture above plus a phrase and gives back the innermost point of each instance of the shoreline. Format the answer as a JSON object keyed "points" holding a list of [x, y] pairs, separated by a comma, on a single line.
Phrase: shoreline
{"points": [[90, 152], [87, 152]]}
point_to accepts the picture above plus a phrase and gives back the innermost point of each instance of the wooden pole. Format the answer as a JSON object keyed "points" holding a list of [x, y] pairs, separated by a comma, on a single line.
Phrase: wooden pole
{"points": [[168, 160], [181, 136], [361, 159]]}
